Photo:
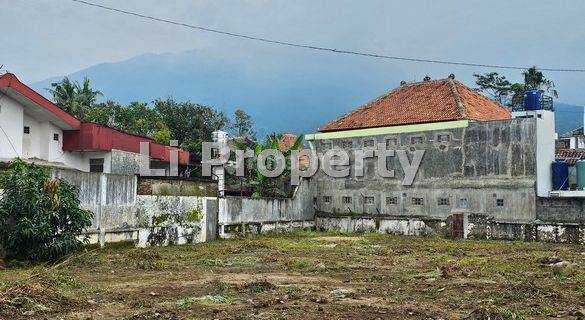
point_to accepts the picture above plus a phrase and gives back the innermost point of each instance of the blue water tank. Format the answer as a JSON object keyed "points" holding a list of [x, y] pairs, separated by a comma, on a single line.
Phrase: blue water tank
{"points": [[532, 99], [560, 175]]}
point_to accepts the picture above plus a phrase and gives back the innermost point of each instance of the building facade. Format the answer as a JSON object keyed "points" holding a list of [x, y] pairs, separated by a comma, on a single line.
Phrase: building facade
{"points": [[35, 129], [481, 162]]}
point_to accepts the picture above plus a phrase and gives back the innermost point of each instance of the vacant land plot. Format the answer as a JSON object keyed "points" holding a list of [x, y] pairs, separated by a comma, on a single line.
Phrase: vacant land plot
{"points": [[306, 276]]}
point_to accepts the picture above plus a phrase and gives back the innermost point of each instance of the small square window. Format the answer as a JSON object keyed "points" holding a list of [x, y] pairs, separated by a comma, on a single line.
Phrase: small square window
{"points": [[327, 199], [327, 145], [418, 201], [26, 130], [368, 143], [443, 138], [55, 136], [500, 202], [347, 144], [346, 200], [391, 143], [391, 201], [416, 140], [462, 204], [443, 201], [368, 200], [96, 165]]}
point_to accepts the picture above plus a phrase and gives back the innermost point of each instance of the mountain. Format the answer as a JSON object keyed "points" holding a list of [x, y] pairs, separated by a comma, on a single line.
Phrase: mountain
{"points": [[282, 94], [291, 92], [567, 117]]}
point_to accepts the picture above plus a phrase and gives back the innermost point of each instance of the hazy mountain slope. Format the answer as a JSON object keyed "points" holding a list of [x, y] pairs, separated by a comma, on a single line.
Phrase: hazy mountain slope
{"points": [[568, 117], [282, 93]]}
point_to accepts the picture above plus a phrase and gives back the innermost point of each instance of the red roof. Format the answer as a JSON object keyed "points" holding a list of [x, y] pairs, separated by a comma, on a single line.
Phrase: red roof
{"points": [[422, 102], [570, 155], [96, 137], [10, 81]]}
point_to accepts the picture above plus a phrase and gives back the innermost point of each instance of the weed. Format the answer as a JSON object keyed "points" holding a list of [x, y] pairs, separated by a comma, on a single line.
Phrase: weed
{"points": [[186, 302], [258, 286], [213, 262], [219, 285], [218, 299], [296, 264]]}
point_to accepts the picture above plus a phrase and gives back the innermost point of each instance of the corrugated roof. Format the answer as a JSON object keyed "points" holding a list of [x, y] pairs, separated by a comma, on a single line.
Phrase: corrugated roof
{"points": [[422, 102]]}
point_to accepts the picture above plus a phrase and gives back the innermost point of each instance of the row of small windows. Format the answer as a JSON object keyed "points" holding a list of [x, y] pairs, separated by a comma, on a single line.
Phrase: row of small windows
{"points": [[417, 201], [390, 142], [55, 135]]}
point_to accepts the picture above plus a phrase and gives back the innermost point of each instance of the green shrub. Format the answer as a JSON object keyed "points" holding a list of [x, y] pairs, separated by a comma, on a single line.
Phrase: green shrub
{"points": [[40, 217]]}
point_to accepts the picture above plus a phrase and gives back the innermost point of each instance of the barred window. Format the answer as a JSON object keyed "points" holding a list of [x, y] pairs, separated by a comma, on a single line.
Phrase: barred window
{"points": [[327, 199], [418, 201], [391, 200], [500, 202], [368, 200], [346, 144], [443, 201], [96, 165], [346, 200], [416, 140], [391, 143], [368, 143], [55, 136], [443, 138]]}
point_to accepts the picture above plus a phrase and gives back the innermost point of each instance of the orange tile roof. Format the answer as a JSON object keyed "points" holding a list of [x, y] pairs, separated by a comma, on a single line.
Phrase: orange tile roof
{"points": [[421, 102], [286, 141]]}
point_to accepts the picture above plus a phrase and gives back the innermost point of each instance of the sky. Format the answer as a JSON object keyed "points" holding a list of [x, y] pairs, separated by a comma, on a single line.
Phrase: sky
{"points": [[48, 38]]}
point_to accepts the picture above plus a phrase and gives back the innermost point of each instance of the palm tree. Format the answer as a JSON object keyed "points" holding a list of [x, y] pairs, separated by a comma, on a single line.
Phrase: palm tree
{"points": [[74, 98]]}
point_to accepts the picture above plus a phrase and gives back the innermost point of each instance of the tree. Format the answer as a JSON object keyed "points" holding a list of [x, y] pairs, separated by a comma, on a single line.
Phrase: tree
{"points": [[40, 217], [74, 98], [243, 125], [259, 184], [512, 94], [533, 79], [494, 85], [191, 124]]}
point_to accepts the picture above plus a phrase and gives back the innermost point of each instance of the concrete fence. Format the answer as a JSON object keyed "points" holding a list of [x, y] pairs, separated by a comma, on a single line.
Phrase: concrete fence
{"points": [[243, 215], [120, 214]]}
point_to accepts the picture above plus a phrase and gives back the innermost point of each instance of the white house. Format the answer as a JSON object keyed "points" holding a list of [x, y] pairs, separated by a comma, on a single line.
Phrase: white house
{"points": [[34, 128]]}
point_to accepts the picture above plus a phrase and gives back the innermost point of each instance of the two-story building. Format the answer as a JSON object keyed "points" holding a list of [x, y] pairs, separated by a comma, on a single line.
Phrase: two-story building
{"points": [[35, 129]]}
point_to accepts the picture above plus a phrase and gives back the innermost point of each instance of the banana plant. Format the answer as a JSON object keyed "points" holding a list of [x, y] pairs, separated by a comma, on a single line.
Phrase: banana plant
{"points": [[259, 184]]}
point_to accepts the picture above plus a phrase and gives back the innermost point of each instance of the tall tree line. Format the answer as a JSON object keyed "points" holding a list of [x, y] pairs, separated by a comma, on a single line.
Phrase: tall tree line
{"points": [[165, 120]]}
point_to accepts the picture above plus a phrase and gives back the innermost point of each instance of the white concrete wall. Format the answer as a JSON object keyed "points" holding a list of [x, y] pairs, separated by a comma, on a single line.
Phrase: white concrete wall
{"points": [[545, 151], [11, 121], [31, 142]]}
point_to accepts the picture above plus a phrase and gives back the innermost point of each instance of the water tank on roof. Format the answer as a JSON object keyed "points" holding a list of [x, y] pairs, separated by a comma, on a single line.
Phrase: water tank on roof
{"points": [[532, 100], [580, 167], [560, 175]]}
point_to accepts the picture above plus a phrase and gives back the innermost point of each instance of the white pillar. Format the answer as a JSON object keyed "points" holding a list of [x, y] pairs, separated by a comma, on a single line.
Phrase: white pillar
{"points": [[219, 171]]}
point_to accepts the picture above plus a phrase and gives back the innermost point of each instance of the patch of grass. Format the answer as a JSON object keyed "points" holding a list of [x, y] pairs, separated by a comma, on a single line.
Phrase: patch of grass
{"points": [[186, 302], [258, 286], [295, 263], [218, 299], [213, 262]]}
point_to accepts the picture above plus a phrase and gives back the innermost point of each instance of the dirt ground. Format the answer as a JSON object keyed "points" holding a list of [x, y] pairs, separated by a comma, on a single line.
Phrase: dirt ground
{"points": [[305, 276]]}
